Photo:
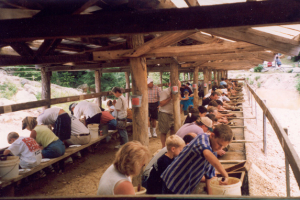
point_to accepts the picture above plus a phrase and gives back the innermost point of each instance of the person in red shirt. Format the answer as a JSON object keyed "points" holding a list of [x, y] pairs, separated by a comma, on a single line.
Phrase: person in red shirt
{"points": [[107, 118]]}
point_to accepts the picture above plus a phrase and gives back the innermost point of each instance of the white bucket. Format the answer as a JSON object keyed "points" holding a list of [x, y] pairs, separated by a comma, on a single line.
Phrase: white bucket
{"points": [[94, 130], [141, 192], [9, 168], [233, 187]]}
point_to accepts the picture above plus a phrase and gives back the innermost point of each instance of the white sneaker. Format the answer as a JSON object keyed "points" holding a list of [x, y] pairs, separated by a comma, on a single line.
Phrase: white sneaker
{"points": [[154, 134], [78, 154], [149, 134], [118, 146], [69, 160]]}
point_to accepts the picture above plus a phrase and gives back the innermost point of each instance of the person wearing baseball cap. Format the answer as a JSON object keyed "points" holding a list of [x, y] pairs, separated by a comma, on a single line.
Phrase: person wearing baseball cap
{"points": [[153, 100]]}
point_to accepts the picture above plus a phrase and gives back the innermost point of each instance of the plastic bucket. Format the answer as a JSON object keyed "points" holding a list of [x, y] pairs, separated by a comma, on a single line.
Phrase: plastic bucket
{"points": [[9, 168], [141, 192], [233, 187], [94, 130]]}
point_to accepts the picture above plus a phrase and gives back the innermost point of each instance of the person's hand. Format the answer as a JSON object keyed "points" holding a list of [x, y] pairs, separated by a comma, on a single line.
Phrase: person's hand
{"points": [[221, 152], [225, 182]]}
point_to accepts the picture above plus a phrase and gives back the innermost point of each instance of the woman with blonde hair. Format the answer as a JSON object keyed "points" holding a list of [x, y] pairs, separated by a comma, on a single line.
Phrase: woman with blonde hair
{"points": [[129, 161], [51, 145]]}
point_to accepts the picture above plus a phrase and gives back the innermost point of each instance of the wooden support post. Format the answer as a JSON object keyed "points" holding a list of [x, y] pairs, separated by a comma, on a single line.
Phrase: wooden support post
{"points": [[209, 79], [138, 70], [160, 79], [127, 74], [46, 86], [195, 81], [287, 171], [205, 81], [98, 85], [189, 76], [183, 76], [219, 76], [175, 97], [215, 75], [265, 131]]}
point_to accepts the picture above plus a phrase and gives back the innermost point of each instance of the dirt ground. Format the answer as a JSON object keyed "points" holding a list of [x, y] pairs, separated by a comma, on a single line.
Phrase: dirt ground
{"points": [[266, 177], [80, 178]]}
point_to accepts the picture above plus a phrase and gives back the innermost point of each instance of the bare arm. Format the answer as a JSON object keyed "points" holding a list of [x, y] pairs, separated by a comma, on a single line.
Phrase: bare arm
{"points": [[124, 187], [213, 160], [164, 102], [6, 152], [33, 134]]}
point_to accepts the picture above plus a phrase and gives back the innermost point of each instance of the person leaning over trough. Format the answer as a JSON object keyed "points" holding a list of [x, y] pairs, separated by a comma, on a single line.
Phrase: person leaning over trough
{"points": [[187, 139], [80, 134], [129, 161], [197, 159], [165, 114], [26, 148], [174, 145], [121, 115], [59, 119], [90, 111], [153, 100], [51, 145]]}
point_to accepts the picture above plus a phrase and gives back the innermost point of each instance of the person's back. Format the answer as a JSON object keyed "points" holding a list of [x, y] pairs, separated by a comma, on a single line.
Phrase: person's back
{"points": [[26, 148], [174, 146], [88, 109], [188, 128], [109, 179]]}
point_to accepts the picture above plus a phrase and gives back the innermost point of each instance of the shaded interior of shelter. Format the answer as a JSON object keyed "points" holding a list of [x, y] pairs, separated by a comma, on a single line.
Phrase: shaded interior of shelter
{"points": [[229, 45]]}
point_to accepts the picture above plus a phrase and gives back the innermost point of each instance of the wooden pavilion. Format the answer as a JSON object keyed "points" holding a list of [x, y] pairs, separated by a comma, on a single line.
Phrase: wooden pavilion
{"points": [[140, 36]]}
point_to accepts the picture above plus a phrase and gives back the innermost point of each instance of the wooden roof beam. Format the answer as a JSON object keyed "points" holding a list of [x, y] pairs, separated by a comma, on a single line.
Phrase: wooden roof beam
{"points": [[192, 3], [161, 41], [206, 38], [203, 17], [267, 40], [224, 56], [22, 48], [173, 51]]}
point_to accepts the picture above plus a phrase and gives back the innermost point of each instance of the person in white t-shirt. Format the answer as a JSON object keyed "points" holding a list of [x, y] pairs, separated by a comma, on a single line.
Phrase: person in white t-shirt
{"points": [[80, 134], [60, 121], [90, 111], [121, 115], [26, 148], [165, 114]]}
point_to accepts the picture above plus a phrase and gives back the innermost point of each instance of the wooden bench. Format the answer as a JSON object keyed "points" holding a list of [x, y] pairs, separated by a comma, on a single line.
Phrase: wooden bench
{"points": [[69, 151]]}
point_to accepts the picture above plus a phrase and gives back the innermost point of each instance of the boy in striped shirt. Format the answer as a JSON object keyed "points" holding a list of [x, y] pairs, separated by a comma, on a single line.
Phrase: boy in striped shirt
{"points": [[197, 159]]}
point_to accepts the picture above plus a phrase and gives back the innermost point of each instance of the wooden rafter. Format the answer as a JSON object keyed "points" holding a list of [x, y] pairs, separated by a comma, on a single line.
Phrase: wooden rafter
{"points": [[161, 41], [205, 38], [182, 50], [217, 16], [270, 41], [22, 48], [226, 56], [192, 3]]}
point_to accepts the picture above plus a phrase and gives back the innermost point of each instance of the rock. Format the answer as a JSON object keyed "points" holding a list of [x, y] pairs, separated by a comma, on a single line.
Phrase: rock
{"points": [[31, 89], [4, 102], [296, 70], [24, 81], [24, 96]]}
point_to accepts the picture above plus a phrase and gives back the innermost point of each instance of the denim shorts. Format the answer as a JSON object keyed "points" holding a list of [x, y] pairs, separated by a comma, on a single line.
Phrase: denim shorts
{"points": [[54, 149]]}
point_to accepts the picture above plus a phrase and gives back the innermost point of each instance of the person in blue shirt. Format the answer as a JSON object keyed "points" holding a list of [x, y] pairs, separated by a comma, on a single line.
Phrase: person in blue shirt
{"points": [[196, 160], [223, 82], [186, 102]]}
